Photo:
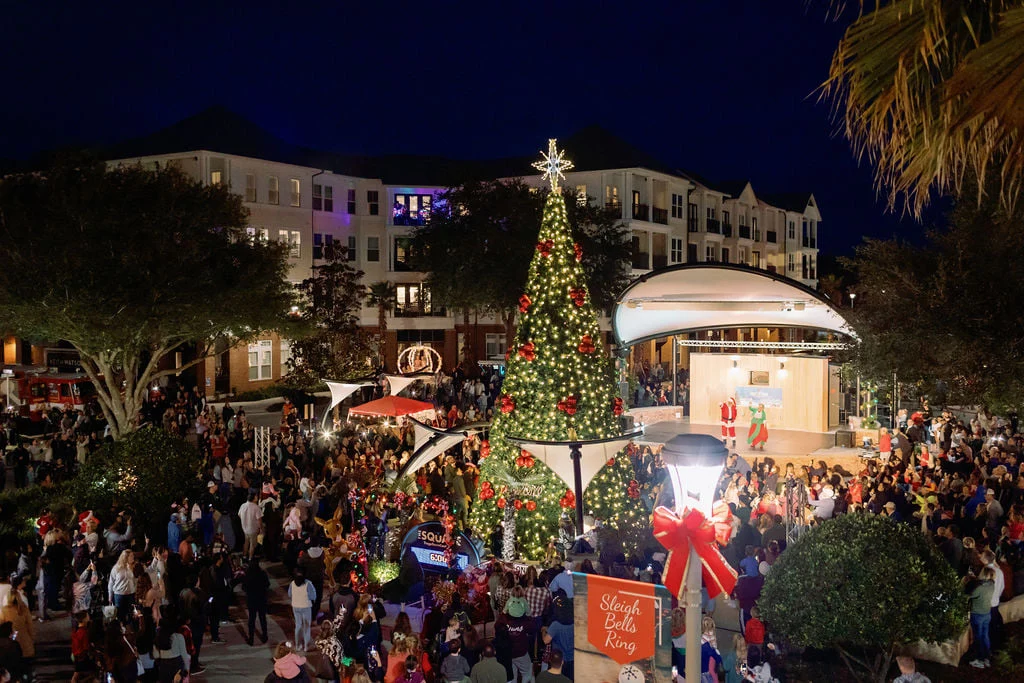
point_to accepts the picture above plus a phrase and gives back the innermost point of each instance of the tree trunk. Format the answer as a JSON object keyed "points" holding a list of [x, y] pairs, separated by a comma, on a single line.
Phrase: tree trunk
{"points": [[382, 327], [508, 539]]}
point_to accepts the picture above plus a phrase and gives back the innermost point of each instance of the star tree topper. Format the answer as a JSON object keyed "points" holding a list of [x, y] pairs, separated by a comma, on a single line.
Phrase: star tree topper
{"points": [[553, 164]]}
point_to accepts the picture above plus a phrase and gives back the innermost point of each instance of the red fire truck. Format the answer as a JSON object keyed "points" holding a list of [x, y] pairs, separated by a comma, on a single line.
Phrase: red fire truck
{"points": [[33, 391]]}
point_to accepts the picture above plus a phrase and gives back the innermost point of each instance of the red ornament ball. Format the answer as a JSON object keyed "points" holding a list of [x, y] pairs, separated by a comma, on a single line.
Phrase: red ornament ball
{"points": [[524, 303], [531, 505], [507, 404], [517, 504], [500, 503], [611, 462]]}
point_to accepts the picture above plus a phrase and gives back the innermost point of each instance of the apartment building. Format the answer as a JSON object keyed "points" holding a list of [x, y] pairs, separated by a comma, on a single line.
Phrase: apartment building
{"points": [[312, 200]]}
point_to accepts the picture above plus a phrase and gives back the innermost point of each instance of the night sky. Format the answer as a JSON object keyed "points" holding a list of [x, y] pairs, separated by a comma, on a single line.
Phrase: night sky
{"points": [[723, 89]]}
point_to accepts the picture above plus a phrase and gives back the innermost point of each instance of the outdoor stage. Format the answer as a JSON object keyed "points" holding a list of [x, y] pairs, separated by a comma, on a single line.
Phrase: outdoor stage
{"points": [[784, 445]]}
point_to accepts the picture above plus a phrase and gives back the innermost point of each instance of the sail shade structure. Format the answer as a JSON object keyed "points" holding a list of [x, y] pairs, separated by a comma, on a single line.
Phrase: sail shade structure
{"points": [[558, 455], [705, 296]]}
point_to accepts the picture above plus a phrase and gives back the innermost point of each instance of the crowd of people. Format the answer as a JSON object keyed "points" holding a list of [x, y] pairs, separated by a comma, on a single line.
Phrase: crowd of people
{"points": [[147, 607]]}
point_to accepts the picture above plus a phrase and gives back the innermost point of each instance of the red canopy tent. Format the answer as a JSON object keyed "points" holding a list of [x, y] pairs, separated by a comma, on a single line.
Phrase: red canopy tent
{"points": [[391, 406]]}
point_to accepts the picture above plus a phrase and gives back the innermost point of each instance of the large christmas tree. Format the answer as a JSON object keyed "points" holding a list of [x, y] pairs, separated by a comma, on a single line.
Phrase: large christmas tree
{"points": [[558, 386]]}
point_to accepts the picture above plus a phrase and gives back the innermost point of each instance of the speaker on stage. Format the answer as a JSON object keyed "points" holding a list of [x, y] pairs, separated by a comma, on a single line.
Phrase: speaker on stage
{"points": [[845, 438]]}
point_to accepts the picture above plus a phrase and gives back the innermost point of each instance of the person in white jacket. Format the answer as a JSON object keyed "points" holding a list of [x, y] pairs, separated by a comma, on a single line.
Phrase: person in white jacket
{"points": [[121, 586]]}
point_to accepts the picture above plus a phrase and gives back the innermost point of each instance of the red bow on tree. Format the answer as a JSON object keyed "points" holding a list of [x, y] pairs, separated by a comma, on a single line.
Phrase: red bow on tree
{"points": [[544, 247], [617, 406], [568, 499], [578, 250], [507, 404], [578, 295], [525, 459], [524, 303], [587, 344], [568, 405], [677, 533], [528, 351], [485, 449], [486, 491]]}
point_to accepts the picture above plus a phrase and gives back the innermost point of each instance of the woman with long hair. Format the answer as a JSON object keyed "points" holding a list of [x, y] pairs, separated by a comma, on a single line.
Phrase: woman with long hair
{"points": [[170, 653], [121, 585], [20, 616], [120, 657]]}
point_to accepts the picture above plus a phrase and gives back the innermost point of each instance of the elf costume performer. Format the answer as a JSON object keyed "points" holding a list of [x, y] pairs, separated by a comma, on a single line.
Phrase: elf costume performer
{"points": [[758, 434], [728, 409]]}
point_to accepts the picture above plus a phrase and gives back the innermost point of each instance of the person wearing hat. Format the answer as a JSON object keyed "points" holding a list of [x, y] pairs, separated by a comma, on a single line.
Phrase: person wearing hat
{"points": [[995, 509], [312, 564], [560, 636], [890, 511], [519, 630]]}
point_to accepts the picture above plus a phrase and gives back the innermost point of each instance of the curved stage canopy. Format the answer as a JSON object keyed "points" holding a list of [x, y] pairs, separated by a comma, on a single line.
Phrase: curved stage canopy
{"points": [[706, 296]]}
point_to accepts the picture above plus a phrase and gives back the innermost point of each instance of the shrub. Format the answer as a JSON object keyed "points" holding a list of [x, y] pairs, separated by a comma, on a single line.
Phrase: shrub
{"points": [[863, 585]]}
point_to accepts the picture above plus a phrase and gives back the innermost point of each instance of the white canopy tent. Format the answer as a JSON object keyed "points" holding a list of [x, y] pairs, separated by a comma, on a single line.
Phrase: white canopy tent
{"points": [[431, 442], [339, 392], [400, 382], [710, 296]]}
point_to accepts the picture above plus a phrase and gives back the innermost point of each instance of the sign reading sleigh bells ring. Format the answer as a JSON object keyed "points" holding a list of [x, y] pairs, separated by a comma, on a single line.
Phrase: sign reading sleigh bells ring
{"points": [[623, 630]]}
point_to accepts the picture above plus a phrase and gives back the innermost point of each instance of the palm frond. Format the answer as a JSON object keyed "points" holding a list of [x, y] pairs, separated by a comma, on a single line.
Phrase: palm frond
{"points": [[928, 90]]}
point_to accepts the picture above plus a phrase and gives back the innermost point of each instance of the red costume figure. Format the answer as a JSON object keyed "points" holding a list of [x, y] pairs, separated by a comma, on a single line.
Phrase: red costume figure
{"points": [[728, 420]]}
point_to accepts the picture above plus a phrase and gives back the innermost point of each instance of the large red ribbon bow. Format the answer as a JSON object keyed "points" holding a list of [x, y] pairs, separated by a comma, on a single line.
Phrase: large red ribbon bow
{"points": [[676, 534]]}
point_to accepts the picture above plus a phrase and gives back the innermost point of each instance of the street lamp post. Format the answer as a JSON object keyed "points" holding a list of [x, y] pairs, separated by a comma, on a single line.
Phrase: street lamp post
{"points": [[694, 463], [853, 298]]}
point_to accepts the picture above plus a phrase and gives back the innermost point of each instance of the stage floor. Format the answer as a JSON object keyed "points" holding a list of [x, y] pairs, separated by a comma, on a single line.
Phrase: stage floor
{"points": [[784, 445]]}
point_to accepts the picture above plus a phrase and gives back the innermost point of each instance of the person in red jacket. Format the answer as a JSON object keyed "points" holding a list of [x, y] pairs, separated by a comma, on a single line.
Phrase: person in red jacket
{"points": [[81, 649], [728, 409], [754, 635]]}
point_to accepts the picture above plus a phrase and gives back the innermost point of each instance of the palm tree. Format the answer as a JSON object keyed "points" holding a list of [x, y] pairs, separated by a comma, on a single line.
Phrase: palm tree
{"points": [[931, 92], [382, 295], [507, 480]]}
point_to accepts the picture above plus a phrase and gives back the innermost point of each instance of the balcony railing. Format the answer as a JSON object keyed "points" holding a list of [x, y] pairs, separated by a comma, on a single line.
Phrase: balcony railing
{"points": [[640, 212], [745, 232], [714, 226], [772, 237], [406, 219], [659, 215], [694, 225], [727, 229], [613, 206], [659, 261], [417, 311], [641, 260]]}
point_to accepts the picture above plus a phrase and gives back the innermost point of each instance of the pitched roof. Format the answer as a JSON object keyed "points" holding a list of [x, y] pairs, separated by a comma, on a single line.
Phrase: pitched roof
{"points": [[790, 201], [733, 188]]}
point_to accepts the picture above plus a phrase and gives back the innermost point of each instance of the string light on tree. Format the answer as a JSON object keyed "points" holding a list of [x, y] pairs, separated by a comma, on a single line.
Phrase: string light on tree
{"points": [[557, 382]]}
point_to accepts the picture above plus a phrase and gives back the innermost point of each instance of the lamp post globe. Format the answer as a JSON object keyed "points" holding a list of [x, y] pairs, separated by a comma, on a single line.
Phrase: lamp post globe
{"points": [[694, 463]]}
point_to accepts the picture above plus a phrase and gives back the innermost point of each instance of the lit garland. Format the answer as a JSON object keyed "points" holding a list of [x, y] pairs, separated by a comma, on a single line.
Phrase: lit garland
{"points": [[555, 381]]}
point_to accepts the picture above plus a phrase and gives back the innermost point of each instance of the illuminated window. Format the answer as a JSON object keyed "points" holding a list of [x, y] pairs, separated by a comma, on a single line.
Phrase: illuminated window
{"points": [[611, 195], [711, 253], [411, 209], [260, 360], [216, 177], [581, 195], [296, 192]]}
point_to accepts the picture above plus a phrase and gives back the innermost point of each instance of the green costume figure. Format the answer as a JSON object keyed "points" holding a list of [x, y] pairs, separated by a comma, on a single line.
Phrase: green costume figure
{"points": [[758, 433]]}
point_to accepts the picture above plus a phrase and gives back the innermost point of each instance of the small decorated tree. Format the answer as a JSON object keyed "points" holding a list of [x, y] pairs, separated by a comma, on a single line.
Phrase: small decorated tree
{"points": [[558, 386], [863, 585]]}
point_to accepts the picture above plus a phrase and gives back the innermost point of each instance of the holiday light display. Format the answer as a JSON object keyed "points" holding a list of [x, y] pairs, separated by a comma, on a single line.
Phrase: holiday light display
{"points": [[557, 383]]}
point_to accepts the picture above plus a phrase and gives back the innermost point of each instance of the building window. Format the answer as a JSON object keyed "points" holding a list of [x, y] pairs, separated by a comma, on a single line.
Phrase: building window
{"points": [[216, 177], [741, 255], [286, 355], [323, 245], [372, 249], [792, 231], [581, 195], [611, 196], [677, 250], [711, 213], [293, 238], [711, 253], [353, 253], [755, 259], [725, 255], [803, 267], [296, 192], [250, 187], [323, 197], [411, 209], [273, 190], [726, 218], [411, 300], [403, 254], [792, 262], [678, 203], [495, 345], [692, 219], [260, 360], [351, 202], [373, 200]]}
